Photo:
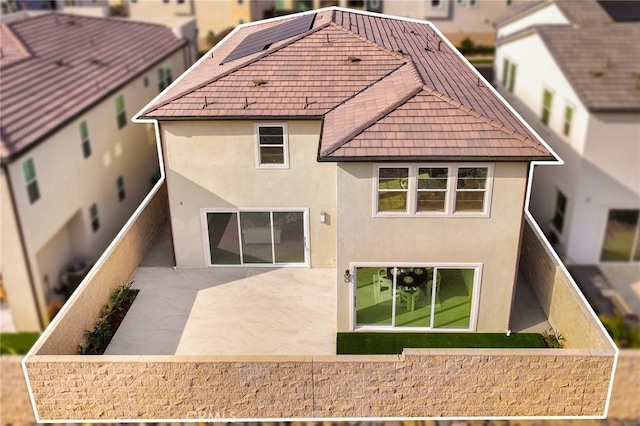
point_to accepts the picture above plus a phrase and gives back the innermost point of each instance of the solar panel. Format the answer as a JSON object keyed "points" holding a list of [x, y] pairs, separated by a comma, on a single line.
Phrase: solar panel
{"points": [[262, 39]]}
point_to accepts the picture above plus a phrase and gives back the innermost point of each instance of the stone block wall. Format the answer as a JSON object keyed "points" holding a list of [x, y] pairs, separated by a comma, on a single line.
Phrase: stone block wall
{"points": [[625, 397], [15, 405], [418, 384], [568, 313], [66, 332]]}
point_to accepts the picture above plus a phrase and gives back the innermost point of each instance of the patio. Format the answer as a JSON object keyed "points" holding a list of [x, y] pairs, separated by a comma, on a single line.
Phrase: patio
{"points": [[247, 311], [227, 311]]}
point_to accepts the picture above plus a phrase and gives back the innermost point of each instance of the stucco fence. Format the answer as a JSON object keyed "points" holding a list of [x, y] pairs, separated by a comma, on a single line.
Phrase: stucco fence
{"points": [[419, 383]]}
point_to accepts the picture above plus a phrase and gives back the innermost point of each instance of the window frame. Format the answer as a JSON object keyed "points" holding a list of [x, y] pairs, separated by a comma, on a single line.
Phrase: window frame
{"points": [[450, 195], [567, 125], [121, 114], [122, 193], [546, 119], [207, 249], [285, 145], [94, 217], [85, 140], [436, 4], [475, 297], [559, 213], [31, 182]]}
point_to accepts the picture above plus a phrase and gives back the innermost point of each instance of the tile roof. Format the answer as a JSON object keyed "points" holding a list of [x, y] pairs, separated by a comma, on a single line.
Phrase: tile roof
{"points": [[358, 72], [601, 62], [599, 56], [56, 66], [520, 9]]}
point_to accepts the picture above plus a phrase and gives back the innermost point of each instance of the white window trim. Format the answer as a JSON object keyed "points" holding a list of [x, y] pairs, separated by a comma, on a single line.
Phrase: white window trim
{"points": [[450, 197], [603, 237], [207, 248], [552, 226], [285, 139], [475, 297]]}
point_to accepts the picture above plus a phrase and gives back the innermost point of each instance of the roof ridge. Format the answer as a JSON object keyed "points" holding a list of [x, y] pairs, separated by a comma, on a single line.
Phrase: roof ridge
{"points": [[369, 41], [333, 148], [20, 44], [234, 69], [493, 123]]}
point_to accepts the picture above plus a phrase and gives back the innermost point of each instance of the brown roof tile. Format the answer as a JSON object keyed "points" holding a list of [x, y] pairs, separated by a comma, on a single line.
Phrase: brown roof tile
{"points": [[408, 94], [61, 65]]}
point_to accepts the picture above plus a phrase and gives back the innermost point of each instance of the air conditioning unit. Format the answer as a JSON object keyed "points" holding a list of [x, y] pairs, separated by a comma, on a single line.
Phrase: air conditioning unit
{"points": [[72, 275]]}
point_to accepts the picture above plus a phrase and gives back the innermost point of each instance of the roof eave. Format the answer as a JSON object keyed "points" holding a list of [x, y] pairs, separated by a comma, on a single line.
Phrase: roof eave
{"points": [[451, 158]]}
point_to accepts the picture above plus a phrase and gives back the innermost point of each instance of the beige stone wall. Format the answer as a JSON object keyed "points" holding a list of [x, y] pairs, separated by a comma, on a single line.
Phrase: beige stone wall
{"points": [[65, 333], [626, 387], [15, 405], [567, 311], [420, 383]]}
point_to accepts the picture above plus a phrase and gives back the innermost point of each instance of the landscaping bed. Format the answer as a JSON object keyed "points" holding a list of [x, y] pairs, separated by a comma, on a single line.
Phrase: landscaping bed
{"points": [[395, 343], [17, 343]]}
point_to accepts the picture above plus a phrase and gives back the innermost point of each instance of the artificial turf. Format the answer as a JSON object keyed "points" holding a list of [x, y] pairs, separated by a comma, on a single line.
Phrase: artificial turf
{"points": [[394, 343], [17, 343]]}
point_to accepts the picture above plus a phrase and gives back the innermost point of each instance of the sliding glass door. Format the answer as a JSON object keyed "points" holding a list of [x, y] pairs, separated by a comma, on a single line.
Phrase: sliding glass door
{"points": [[256, 237], [418, 296]]}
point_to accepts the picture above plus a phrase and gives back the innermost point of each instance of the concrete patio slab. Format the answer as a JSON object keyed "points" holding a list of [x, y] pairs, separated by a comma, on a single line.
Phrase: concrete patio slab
{"points": [[230, 311]]}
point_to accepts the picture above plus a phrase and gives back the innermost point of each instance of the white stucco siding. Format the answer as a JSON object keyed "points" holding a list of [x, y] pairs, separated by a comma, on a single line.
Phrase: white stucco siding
{"points": [[531, 81], [211, 165], [613, 146], [491, 241], [547, 15], [57, 227]]}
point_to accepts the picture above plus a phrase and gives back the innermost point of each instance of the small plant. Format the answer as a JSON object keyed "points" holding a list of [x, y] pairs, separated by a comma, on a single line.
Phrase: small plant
{"points": [[553, 339], [623, 333], [110, 317]]}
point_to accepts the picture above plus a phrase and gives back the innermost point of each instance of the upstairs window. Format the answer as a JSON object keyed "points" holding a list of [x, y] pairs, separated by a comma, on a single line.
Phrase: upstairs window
{"points": [[84, 137], [436, 3], [568, 117], [271, 146], [547, 101], [29, 171], [93, 216], [121, 114], [433, 190], [164, 78], [393, 189], [120, 187], [471, 188], [508, 74]]}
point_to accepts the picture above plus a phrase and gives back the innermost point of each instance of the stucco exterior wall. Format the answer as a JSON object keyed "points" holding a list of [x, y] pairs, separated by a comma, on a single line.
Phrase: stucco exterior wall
{"points": [[568, 312], [420, 383], [548, 14], [492, 241], [212, 165], [601, 153], [14, 269], [57, 228], [66, 331]]}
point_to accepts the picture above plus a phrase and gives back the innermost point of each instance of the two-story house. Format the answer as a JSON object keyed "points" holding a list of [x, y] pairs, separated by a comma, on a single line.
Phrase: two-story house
{"points": [[572, 70], [73, 166], [357, 142]]}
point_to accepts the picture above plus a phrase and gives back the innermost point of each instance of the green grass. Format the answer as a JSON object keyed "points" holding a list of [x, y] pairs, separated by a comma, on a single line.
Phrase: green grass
{"points": [[17, 343], [394, 343]]}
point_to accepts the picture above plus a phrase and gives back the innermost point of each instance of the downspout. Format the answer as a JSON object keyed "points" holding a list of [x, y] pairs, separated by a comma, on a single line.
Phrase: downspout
{"points": [[23, 245]]}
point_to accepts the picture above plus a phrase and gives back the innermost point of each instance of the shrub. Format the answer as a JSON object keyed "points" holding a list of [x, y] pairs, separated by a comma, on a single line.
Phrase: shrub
{"points": [[553, 339], [622, 333]]}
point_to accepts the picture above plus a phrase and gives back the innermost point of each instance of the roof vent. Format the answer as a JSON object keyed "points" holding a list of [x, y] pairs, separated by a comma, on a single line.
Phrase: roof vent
{"points": [[353, 59], [596, 73], [61, 63], [259, 82]]}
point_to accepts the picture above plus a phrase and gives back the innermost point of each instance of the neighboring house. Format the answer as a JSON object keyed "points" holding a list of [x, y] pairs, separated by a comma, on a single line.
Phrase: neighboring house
{"points": [[357, 142], [211, 16], [457, 19], [73, 167], [572, 70]]}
